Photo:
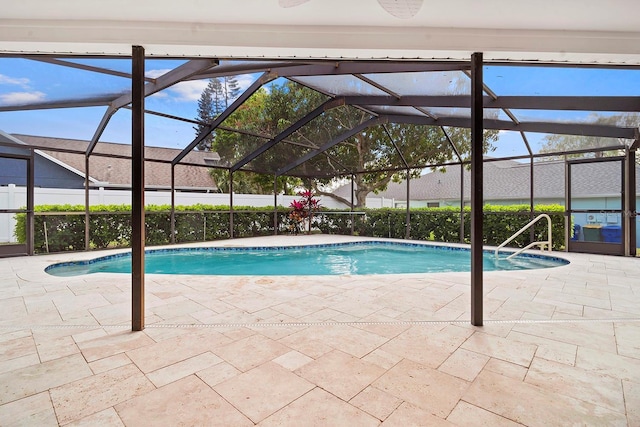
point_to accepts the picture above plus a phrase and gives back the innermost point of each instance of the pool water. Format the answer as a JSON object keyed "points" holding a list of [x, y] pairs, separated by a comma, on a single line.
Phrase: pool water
{"points": [[334, 259]]}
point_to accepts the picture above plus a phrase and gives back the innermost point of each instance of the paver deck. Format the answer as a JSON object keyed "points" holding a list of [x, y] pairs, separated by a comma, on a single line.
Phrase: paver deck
{"points": [[560, 346]]}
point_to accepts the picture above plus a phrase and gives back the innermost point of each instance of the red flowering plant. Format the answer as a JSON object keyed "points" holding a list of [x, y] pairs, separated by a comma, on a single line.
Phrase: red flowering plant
{"points": [[302, 210]]}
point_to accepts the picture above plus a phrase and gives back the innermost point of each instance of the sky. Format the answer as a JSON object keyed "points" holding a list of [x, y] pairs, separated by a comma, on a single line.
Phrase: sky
{"points": [[24, 81]]}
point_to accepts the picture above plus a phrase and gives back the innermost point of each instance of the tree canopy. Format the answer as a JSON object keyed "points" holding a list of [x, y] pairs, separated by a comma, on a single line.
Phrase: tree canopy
{"points": [[376, 155], [567, 143], [231, 146]]}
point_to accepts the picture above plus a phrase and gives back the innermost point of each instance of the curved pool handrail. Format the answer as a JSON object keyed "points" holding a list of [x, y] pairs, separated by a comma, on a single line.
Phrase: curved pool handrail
{"points": [[542, 243]]}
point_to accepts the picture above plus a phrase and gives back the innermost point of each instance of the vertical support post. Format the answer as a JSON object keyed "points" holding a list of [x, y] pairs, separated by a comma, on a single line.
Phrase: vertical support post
{"points": [[275, 205], [31, 182], [137, 188], [408, 216], [86, 203], [230, 204], [353, 177], [567, 203], [476, 190], [532, 234], [630, 208], [461, 202], [173, 204]]}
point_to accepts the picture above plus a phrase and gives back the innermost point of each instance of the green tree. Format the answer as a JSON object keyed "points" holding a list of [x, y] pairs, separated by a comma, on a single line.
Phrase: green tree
{"points": [[370, 150], [215, 98], [254, 183], [230, 88], [242, 183], [420, 146], [566, 143], [232, 146], [269, 112], [209, 106]]}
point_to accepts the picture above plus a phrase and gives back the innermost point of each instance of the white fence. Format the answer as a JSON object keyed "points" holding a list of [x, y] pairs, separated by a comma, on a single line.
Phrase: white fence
{"points": [[14, 197]]}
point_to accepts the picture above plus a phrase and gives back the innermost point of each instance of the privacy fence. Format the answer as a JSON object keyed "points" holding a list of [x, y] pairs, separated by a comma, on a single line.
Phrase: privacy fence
{"points": [[62, 227]]}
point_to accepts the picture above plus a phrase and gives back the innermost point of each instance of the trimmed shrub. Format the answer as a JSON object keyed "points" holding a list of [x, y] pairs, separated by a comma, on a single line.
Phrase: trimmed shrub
{"points": [[62, 232], [501, 222]]}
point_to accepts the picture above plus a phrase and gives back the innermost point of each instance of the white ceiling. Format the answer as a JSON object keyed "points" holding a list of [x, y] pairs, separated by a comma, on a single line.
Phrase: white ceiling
{"points": [[546, 30]]}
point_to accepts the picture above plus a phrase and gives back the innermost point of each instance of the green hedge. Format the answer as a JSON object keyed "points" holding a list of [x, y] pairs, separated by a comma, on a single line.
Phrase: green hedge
{"points": [[501, 222], [443, 224], [110, 225]]}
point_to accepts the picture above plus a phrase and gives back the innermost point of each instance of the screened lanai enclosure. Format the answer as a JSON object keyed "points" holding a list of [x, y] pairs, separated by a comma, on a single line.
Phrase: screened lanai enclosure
{"points": [[356, 122], [352, 122]]}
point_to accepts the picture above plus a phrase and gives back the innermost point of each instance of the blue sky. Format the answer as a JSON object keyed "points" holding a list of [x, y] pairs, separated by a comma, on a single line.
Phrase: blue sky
{"points": [[25, 81]]}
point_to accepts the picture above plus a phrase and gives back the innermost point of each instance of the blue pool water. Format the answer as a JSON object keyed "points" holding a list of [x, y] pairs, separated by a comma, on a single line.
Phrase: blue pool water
{"points": [[334, 259]]}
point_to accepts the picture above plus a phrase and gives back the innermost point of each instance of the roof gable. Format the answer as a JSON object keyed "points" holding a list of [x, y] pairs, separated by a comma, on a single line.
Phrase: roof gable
{"points": [[116, 171]]}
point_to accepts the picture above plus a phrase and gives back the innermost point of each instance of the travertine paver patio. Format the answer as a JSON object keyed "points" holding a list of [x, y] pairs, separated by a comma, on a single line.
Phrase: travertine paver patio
{"points": [[560, 346]]}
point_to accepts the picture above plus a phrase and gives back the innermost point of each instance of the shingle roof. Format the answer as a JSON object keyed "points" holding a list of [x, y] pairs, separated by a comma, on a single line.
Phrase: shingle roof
{"points": [[509, 180], [117, 171]]}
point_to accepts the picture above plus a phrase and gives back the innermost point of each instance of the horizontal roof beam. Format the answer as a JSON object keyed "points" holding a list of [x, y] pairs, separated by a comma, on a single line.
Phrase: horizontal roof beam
{"points": [[324, 68], [235, 69], [552, 103], [356, 67], [572, 103], [96, 101], [581, 129], [562, 128], [86, 67], [168, 116]]}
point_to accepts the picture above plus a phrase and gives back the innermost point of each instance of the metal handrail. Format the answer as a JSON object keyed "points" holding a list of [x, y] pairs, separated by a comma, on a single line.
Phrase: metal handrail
{"points": [[530, 245]]}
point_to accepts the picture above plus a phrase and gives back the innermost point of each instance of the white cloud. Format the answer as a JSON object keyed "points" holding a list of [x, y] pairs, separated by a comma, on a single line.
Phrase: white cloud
{"points": [[189, 90], [245, 80], [21, 98], [160, 95], [154, 74], [24, 82]]}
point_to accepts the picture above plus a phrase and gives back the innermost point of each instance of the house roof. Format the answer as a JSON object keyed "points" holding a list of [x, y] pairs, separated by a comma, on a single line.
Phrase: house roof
{"points": [[116, 171], [509, 180]]}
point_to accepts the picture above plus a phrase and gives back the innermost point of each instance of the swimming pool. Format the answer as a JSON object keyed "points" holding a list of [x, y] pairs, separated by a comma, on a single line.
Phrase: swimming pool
{"points": [[371, 257]]}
